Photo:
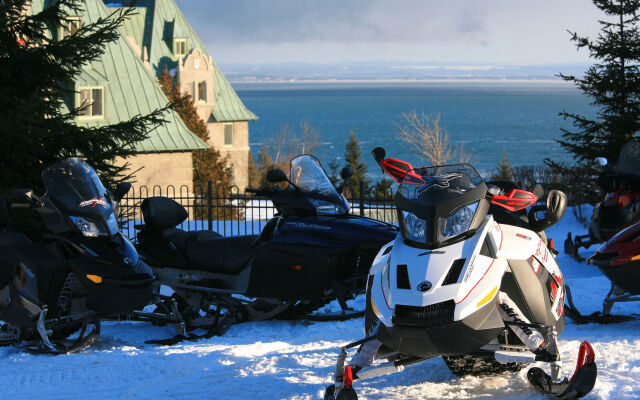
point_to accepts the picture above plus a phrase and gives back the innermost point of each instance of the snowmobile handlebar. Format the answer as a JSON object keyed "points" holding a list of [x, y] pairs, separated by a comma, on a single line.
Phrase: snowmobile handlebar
{"points": [[267, 191]]}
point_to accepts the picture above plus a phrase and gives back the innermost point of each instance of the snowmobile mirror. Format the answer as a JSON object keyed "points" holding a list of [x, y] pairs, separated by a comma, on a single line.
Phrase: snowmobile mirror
{"points": [[379, 154], [121, 190], [276, 175], [346, 172], [538, 191], [602, 161]]}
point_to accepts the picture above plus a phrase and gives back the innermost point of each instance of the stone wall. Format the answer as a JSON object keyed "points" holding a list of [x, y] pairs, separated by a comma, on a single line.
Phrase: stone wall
{"points": [[238, 152], [161, 169]]}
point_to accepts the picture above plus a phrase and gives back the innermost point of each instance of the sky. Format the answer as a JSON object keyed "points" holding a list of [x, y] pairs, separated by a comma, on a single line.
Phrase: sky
{"points": [[465, 32]]}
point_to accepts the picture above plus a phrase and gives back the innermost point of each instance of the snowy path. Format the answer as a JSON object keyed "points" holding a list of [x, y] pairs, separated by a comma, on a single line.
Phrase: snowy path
{"points": [[295, 360]]}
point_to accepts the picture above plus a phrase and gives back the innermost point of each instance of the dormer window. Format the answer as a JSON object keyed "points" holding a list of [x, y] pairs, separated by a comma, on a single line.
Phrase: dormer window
{"points": [[69, 26], [92, 99], [202, 91], [180, 47]]}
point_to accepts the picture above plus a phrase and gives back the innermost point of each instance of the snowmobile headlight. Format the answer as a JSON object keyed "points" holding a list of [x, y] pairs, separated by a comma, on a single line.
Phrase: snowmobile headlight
{"points": [[88, 228], [456, 223], [416, 228]]}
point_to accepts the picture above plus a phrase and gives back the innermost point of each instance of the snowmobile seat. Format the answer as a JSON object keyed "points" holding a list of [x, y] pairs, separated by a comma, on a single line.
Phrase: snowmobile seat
{"points": [[9, 238], [226, 255], [161, 213]]}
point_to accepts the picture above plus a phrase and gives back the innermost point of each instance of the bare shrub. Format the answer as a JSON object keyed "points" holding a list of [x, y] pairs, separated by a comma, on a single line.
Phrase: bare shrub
{"points": [[425, 137]]}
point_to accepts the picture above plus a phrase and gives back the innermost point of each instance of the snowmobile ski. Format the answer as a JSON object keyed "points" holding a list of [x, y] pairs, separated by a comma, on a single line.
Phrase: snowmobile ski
{"points": [[597, 317], [580, 384]]}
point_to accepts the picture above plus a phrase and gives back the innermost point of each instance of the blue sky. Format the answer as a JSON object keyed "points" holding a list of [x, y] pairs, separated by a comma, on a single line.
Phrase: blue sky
{"points": [[417, 31]]}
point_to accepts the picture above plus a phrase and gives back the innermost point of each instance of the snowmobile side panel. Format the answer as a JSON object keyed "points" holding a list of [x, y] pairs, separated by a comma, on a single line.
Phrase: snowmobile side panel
{"points": [[286, 272]]}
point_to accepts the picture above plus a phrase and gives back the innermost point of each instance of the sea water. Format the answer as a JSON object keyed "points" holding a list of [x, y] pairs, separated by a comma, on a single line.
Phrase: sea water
{"points": [[486, 118]]}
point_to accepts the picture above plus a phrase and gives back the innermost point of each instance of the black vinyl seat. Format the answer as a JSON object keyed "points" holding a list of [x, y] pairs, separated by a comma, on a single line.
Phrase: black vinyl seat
{"points": [[202, 250]]}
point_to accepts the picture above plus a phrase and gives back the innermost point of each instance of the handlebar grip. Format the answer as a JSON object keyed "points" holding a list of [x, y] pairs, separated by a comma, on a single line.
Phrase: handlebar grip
{"points": [[20, 205]]}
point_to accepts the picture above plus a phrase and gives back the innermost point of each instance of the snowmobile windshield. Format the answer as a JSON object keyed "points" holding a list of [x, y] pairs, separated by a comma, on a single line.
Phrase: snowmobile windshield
{"points": [[438, 204], [307, 173], [74, 187], [629, 159]]}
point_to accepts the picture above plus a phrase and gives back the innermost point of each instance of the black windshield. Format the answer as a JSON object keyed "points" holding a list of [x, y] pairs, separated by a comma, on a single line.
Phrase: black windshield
{"points": [[433, 185], [629, 160], [75, 188]]}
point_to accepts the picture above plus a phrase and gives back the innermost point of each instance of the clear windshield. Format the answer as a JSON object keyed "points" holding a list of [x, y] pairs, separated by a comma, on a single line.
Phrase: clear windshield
{"points": [[307, 173], [75, 186], [433, 185], [629, 160]]}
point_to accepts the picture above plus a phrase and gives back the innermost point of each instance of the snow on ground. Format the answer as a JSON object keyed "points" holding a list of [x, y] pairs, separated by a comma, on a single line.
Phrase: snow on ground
{"points": [[295, 360]]}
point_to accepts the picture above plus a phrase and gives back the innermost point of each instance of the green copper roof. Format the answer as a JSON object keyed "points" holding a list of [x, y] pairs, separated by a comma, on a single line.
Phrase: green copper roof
{"points": [[164, 22], [130, 89]]}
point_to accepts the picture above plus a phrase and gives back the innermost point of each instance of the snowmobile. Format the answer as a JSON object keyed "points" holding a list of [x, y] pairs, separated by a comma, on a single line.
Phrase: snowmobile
{"points": [[619, 260], [467, 282], [621, 205], [310, 253], [82, 269]]}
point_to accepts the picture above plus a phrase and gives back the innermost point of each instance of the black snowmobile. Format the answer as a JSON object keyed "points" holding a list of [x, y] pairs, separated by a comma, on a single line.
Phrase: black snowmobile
{"points": [[621, 206], [312, 252], [465, 282], [80, 271]]}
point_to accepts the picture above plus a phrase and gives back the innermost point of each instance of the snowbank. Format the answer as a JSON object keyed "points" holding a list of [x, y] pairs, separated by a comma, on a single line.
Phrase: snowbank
{"points": [[295, 360]]}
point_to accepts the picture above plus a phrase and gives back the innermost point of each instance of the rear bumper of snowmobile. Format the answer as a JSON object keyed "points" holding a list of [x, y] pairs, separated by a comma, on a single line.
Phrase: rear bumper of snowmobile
{"points": [[441, 335]]}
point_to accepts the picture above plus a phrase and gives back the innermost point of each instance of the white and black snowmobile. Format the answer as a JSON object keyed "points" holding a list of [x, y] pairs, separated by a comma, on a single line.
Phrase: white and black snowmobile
{"points": [[466, 281]]}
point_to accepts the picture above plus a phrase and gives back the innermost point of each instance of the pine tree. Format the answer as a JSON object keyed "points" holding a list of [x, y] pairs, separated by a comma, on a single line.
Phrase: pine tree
{"points": [[208, 165], [37, 123], [382, 189], [352, 157], [613, 86], [504, 169]]}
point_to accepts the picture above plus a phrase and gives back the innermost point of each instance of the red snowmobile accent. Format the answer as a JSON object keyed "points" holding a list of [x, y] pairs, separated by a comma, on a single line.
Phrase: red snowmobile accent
{"points": [[347, 378], [400, 171], [516, 200], [585, 355]]}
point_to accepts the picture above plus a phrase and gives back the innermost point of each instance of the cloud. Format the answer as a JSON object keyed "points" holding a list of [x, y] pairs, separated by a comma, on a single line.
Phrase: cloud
{"points": [[287, 21], [475, 31]]}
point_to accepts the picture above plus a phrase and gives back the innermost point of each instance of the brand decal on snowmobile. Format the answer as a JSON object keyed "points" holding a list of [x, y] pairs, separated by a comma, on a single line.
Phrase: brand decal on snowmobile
{"points": [[541, 252], [437, 180], [469, 269], [94, 202], [424, 286], [302, 225]]}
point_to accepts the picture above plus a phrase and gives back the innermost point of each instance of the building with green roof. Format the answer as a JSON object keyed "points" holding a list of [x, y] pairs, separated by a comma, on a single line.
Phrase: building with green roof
{"points": [[123, 83], [162, 38]]}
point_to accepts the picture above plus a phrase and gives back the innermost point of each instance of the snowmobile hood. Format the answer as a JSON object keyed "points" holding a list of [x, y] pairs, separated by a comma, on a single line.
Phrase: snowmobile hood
{"points": [[622, 248]]}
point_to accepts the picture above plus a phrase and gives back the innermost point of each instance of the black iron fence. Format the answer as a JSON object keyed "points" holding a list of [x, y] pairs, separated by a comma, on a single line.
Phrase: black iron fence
{"points": [[231, 211]]}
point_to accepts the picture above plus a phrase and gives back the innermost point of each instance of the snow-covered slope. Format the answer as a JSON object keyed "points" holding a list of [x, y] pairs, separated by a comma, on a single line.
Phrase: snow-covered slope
{"points": [[295, 360]]}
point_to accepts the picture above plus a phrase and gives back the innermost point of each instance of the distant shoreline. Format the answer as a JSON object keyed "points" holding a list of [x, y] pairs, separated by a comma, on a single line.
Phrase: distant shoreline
{"points": [[386, 81]]}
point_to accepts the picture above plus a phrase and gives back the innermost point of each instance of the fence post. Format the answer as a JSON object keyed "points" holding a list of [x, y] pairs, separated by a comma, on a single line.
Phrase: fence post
{"points": [[361, 198], [210, 204]]}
